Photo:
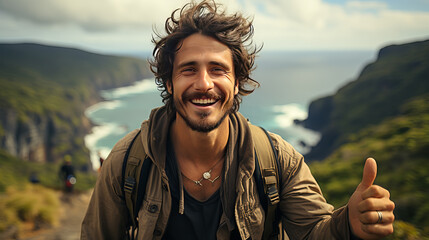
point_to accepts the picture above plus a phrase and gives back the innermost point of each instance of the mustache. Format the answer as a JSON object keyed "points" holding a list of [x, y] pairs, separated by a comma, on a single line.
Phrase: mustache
{"points": [[187, 96]]}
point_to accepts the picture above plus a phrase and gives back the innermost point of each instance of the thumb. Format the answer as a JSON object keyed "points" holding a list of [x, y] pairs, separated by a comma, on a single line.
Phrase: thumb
{"points": [[369, 173]]}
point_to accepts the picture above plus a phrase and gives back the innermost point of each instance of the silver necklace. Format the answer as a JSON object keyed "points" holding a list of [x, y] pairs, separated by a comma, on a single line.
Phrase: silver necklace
{"points": [[206, 176]]}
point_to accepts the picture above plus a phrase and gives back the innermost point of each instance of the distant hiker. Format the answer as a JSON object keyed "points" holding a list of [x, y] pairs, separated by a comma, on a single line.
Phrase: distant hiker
{"points": [[34, 178], [203, 179], [100, 158], [67, 174]]}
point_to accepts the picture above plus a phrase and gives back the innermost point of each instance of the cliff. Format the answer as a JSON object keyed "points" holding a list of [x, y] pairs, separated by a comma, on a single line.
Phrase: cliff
{"points": [[400, 73], [45, 91], [383, 114]]}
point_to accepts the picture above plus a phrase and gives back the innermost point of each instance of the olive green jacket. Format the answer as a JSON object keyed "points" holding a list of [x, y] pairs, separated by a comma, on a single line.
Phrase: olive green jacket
{"points": [[305, 213]]}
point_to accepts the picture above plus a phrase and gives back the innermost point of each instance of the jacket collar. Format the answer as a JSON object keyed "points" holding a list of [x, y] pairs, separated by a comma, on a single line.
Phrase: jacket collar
{"points": [[240, 145], [155, 133], [240, 162]]}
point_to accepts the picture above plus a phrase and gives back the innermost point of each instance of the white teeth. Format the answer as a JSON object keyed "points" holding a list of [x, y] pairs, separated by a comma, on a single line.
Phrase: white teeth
{"points": [[203, 101]]}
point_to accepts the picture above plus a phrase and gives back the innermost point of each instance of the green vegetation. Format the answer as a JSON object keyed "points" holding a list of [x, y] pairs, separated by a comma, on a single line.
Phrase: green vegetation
{"points": [[44, 93], [51, 87], [401, 147], [399, 74], [383, 114], [17, 172], [29, 203]]}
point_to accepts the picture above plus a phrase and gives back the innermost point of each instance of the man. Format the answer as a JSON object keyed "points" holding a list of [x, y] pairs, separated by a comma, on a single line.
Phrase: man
{"points": [[201, 185]]}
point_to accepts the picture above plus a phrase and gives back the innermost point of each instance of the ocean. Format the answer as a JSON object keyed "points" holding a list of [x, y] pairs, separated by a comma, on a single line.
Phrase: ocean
{"points": [[289, 82]]}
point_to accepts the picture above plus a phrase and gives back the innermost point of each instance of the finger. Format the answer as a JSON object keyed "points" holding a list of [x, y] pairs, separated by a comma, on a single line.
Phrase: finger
{"points": [[380, 230], [373, 217], [375, 192], [369, 173], [374, 204]]}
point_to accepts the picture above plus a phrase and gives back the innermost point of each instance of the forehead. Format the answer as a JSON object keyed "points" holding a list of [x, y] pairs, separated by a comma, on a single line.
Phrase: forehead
{"points": [[198, 47]]}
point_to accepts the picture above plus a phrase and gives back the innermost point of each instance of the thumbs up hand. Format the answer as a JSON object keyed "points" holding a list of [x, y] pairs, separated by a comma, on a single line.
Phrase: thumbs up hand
{"points": [[370, 208]]}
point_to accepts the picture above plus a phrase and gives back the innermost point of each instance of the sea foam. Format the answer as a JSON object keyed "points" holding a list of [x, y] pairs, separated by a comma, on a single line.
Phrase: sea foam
{"points": [[110, 105], [104, 129], [288, 113], [98, 133], [145, 85], [301, 138]]}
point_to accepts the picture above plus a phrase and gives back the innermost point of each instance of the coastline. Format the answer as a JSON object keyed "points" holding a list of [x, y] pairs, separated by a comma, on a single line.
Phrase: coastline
{"points": [[101, 128], [108, 128], [279, 105]]}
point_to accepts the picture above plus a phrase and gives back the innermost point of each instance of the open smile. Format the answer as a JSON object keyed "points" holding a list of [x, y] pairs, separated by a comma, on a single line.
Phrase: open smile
{"points": [[204, 101]]}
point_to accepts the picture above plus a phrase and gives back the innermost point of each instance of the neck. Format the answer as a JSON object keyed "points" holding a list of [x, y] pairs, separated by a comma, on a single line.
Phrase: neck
{"points": [[199, 147]]}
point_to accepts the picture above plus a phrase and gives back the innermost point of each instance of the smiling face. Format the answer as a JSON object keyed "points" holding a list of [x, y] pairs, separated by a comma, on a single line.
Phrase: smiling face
{"points": [[203, 83]]}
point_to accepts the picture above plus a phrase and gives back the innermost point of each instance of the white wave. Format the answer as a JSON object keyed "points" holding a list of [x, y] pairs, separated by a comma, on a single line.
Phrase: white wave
{"points": [[99, 132], [105, 129], [110, 105], [145, 85], [95, 156], [301, 138], [288, 113]]}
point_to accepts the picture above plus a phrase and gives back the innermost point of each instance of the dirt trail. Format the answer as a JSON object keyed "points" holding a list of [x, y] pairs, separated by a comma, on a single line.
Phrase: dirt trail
{"points": [[72, 212]]}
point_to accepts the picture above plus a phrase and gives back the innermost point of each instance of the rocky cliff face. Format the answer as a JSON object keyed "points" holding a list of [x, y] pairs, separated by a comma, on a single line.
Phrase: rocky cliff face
{"points": [[27, 140], [45, 91], [37, 137]]}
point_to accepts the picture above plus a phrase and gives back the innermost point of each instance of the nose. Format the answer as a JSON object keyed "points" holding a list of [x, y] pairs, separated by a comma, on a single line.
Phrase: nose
{"points": [[203, 81]]}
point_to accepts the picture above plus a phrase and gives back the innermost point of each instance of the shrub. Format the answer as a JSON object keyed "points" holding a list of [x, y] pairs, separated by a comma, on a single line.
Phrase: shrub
{"points": [[30, 203]]}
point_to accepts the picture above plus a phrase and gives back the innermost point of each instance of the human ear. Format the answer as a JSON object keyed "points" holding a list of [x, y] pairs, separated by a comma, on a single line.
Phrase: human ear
{"points": [[236, 88], [169, 87]]}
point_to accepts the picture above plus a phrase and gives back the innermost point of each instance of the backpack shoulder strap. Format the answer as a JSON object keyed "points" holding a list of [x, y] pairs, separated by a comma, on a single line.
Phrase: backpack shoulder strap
{"points": [[267, 178], [135, 172]]}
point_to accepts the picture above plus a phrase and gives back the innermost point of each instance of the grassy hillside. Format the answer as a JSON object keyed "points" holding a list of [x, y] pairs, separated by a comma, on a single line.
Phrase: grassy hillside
{"points": [[45, 91], [17, 172], [401, 147], [384, 114], [37, 78]]}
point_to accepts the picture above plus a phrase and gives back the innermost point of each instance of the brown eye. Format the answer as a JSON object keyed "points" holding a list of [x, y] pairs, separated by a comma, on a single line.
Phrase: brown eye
{"points": [[218, 70], [188, 71]]}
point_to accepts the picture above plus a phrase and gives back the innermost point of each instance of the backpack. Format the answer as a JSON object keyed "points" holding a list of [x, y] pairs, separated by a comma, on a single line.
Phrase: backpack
{"points": [[136, 167]]}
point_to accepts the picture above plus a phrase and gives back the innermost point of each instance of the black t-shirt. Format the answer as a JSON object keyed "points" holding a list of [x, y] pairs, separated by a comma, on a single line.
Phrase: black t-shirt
{"points": [[200, 219]]}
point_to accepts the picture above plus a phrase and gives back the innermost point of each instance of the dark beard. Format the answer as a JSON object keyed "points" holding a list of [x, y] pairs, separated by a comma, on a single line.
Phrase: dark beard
{"points": [[201, 126]]}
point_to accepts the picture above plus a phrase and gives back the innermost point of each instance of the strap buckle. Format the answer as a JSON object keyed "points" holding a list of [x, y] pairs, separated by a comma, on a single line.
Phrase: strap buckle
{"points": [[273, 194], [129, 184]]}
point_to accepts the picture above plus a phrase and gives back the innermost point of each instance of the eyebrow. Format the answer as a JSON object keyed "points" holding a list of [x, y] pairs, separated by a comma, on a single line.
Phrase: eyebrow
{"points": [[220, 64], [186, 64]]}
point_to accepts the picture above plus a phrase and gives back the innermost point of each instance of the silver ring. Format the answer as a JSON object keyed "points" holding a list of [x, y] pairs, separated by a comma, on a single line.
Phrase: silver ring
{"points": [[380, 217]]}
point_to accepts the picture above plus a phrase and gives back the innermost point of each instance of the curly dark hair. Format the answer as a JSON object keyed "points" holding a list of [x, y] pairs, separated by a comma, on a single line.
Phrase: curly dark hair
{"points": [[207, 18]]}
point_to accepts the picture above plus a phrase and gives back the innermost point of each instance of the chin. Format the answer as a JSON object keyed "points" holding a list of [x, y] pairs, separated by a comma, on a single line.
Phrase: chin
{"points": [[203, 124]]}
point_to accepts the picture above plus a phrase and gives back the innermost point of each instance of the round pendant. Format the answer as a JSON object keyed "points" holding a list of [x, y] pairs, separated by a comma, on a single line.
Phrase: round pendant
{"points": [[206, 175]]}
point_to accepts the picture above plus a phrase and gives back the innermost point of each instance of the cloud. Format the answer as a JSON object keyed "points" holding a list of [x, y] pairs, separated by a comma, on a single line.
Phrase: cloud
{"points": [[105, 15], [314, 24], [279, 24], [366, 5]]}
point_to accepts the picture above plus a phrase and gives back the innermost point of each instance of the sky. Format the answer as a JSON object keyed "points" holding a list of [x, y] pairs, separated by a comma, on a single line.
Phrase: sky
{"points": [[126, 26]]}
